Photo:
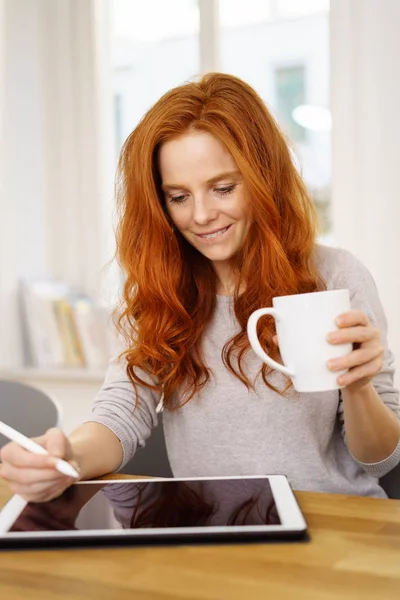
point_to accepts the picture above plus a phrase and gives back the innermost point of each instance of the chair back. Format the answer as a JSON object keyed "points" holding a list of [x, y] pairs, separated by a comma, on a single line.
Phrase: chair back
{"points": [[27, 409], [152, 460], [391, 483]]}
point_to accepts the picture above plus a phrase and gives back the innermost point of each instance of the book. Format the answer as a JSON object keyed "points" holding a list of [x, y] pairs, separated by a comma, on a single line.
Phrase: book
{"points": [[91, 324], [40, 323], [64, 327], [68, 333]]}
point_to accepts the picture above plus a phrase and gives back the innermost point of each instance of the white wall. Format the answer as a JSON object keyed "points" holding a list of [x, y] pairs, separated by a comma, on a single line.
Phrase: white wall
{"points": [[23, 238], [366, 133], [57, 143]]}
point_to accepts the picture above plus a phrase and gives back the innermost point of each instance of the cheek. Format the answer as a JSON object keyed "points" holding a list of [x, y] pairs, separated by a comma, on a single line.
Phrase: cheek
{"points": [[241, 206], [242, 216], [180, 217]]}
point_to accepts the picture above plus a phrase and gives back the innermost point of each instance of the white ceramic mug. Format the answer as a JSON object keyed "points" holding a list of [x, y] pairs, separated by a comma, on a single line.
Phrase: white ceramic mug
{"points": [[303, 322]]}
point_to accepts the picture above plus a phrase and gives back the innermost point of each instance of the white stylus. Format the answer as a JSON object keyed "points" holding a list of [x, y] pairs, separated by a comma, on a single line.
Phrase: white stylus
{"points": [[22, 440], [10, 512]]}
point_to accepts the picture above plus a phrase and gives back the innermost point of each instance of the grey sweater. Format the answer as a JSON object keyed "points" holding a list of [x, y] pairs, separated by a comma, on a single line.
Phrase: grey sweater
{"points": [[227, 430]]}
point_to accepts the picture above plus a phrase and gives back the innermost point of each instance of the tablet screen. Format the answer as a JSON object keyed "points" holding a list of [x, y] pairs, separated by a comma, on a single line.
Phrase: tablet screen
{"points": [[155, 504], [157, 510]]}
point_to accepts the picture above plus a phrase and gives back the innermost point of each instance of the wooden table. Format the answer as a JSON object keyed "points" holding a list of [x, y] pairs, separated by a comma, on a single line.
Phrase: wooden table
{"points": [[354, 552]]}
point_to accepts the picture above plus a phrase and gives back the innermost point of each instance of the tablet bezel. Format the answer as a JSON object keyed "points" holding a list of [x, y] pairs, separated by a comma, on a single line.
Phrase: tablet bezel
{"points": [[292, 520]]}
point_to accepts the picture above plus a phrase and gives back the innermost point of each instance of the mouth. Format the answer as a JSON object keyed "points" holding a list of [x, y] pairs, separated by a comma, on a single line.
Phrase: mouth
{"points": [[213, 234]]}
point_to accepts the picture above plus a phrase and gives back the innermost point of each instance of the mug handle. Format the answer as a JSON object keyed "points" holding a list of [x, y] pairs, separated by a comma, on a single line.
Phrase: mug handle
{"points": [[255, 344]]}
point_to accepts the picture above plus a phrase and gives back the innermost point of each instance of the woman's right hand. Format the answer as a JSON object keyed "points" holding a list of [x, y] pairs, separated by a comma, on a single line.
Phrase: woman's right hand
{"points": [[34, 476]]}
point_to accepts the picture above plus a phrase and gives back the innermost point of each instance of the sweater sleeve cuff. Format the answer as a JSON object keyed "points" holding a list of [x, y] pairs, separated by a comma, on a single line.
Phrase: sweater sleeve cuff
{"points": [[381, 468]]}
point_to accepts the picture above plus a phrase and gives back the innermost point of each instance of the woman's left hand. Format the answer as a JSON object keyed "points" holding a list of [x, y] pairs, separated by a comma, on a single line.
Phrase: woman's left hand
{"points": [[365, 361]]}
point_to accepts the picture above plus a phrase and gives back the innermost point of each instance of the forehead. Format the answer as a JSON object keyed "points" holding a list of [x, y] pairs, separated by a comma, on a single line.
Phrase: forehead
{"points": [[196, 154]]}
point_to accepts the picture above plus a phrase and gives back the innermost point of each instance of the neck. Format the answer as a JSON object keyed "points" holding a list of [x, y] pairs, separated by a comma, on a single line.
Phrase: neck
{"points": [[225, 279], [225, 291]]}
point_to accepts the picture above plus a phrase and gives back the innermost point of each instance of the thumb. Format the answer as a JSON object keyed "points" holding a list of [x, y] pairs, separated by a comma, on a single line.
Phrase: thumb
{"points": [[57, 444]]}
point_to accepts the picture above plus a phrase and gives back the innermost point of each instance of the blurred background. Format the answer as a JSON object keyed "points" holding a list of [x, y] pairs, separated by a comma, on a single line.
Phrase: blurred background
{"points": [[76, 76]]}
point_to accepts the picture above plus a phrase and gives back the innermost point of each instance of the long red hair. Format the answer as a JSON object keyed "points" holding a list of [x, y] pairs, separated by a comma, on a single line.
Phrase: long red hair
{"points": [[169, 293]]}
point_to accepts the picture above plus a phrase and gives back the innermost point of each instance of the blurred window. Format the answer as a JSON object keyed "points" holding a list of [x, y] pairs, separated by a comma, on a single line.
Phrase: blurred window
{"points": [[290, 93], [281, 48], [154, 46]]}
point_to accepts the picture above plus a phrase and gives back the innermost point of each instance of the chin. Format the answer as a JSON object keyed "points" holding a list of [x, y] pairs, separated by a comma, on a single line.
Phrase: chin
{"points": [[222, 257]]}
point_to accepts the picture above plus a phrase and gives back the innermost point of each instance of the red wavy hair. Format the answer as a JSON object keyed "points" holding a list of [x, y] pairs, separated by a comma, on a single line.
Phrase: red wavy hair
{"points": [[169, 293]]}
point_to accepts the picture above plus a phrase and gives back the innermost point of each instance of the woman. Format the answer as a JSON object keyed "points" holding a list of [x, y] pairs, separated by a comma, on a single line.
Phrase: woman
{"points": [[215, 221]]}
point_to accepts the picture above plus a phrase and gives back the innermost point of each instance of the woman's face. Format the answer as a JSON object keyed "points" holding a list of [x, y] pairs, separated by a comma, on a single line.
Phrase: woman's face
{"points": [[204, 195]]}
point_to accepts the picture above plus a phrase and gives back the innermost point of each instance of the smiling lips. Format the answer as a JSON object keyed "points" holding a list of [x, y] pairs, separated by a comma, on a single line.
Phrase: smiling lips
{"points": [[213, 234]]}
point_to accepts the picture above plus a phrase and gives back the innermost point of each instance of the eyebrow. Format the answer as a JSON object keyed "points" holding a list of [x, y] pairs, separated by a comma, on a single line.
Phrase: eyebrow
{"points": [[226, 175]]}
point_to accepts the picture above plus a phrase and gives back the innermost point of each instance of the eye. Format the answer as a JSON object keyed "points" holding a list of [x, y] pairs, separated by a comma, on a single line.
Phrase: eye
{"points": [[226, 189], [178, 199]]}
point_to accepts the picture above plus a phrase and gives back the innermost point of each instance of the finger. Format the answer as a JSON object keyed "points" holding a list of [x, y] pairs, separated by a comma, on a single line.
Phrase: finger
{"points": [[40, 492], [275, 340], [354, 335], [77, 468], [364, 372], [57, 444], [13, 454], [49, 495], [30, 476], [352, 318], [355, 358]]}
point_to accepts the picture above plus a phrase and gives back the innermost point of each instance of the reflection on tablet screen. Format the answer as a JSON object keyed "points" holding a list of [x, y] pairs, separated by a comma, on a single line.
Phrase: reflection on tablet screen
{"points": [[158, 504]]}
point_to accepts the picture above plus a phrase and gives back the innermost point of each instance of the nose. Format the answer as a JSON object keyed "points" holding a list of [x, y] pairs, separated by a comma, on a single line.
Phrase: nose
{"points": [[204, 211]]}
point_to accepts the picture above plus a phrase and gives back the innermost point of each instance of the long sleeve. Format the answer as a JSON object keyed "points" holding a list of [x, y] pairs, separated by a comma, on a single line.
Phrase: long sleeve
{"points": [[351, 274], [114, 406]]}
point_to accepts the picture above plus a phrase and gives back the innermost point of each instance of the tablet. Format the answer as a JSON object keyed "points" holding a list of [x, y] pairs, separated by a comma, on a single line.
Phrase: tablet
{"points": [[149, 511]]}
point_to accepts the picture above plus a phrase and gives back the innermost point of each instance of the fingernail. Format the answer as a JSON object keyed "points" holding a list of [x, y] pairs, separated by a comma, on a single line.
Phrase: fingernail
{"points": [[339, 321], [332, 337]]}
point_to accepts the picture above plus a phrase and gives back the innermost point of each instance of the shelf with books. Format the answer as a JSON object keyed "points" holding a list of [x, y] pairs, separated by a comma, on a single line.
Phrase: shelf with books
{"points": [[64, 330]]}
